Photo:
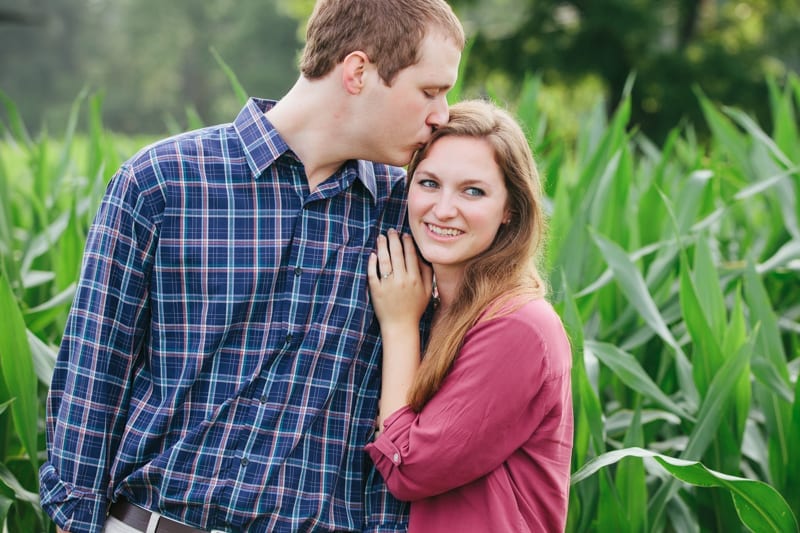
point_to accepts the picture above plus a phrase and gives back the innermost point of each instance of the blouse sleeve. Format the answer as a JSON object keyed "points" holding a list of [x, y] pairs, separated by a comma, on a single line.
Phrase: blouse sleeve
{"points": [[509, 375]]}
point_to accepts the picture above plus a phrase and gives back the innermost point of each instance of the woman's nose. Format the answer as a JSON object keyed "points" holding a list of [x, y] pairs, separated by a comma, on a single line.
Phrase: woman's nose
{"points": [[445, 207]]}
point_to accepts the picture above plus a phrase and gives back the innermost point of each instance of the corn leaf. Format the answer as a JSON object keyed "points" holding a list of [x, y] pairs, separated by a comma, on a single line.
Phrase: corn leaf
{"points": [[760, 506], [630, 281], [16, 367]]}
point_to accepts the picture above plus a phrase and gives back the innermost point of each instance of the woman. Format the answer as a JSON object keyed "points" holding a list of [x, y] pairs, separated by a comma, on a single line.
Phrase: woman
{"points": [[478, 434]]}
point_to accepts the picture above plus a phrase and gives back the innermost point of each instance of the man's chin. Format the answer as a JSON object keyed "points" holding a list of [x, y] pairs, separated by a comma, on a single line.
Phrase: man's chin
{"points": [[400, 160]]}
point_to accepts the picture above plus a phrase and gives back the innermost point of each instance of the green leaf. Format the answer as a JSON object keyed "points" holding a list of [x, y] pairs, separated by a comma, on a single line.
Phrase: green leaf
{"points": [[17, 125], [634, 288], [44, 359], [707, 356], [20, 492], [792, 489], [238, 89], [586, 404], [631, 480], [758, 134], [5, 505], [16, 367], [709, 288], [4, 405], [630, 372], [770, 346], [759, 506]]}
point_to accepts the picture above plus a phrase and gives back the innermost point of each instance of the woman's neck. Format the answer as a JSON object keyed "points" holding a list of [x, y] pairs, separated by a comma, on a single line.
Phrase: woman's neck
{"points": [[446, 288]]}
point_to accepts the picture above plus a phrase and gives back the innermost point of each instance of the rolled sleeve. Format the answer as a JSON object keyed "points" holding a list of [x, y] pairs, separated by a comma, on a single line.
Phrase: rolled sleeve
{"points": [[70, 508], [384, 449]]}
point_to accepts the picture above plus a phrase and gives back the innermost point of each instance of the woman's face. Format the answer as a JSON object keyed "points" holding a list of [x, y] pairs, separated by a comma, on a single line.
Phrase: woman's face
{"points": [[457, 201]]}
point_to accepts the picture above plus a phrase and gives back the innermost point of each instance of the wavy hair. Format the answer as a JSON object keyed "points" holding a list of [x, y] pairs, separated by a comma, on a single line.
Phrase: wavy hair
{"points": [[499, 279]]}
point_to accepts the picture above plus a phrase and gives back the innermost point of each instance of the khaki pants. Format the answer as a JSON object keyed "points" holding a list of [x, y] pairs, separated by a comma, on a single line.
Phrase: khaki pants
{"points": [[114, 525]]}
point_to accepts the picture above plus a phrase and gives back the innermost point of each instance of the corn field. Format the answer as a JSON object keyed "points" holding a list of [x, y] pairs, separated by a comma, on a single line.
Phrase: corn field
{"points": [[675, 268]]}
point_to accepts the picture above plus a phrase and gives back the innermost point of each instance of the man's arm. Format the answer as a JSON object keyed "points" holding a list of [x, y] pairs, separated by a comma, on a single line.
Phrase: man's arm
{"points": [[104, 332]]}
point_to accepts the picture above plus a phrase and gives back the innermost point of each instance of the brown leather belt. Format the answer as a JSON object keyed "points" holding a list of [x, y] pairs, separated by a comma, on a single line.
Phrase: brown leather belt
{"points": [[139, 518]]}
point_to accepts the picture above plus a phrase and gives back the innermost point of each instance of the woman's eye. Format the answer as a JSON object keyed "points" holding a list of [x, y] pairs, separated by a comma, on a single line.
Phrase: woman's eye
{"points": [[474, 191], [431, 93], [427, 184]]}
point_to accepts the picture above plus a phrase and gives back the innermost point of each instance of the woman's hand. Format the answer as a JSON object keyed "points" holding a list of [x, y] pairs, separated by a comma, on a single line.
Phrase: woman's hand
{"points": [[399, 282], [400, 285]]}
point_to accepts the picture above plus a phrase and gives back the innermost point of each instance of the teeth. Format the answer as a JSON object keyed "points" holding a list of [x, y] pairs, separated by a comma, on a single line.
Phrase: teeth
{"points": [[445, 232]]}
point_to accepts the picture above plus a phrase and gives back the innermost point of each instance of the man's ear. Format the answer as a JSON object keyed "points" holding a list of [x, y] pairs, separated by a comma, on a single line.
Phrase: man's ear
{"points": [[354, 67]]}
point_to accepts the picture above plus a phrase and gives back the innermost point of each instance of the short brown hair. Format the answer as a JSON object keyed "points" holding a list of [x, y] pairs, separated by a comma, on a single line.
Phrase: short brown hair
{"points": [[388, 31]]}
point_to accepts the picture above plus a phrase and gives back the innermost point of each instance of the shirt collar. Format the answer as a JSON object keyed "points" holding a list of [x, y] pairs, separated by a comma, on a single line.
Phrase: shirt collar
{"points": [[263, 145]]}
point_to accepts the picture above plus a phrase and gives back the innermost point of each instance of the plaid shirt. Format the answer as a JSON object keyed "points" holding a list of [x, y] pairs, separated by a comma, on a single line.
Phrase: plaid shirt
{"points": [[220, 361]]}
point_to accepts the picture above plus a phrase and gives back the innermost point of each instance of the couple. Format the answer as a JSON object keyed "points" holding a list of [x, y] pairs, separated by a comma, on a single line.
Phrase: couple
{"points": [[221, 368]]}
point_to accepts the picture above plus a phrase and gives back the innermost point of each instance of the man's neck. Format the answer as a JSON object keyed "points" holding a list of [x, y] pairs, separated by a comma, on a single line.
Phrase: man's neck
{"points": [[308, 119]]}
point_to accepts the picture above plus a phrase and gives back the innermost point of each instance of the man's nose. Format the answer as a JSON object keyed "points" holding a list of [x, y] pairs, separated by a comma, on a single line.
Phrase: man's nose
{"points": [[440, 113]]}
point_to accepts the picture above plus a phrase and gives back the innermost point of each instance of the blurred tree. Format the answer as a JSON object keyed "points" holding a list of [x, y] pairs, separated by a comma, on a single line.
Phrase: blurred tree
{"points": [[168, 67], [14, 16], [35, 57], [725, 47], [152, 59]]}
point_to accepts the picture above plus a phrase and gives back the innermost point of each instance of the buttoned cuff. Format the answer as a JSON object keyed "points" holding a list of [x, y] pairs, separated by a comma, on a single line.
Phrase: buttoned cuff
{"points": [[72, 509], [385, 442]]}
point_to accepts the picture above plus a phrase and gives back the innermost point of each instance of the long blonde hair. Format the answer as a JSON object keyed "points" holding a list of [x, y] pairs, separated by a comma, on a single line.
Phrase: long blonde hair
{"points": [[507, 270]]}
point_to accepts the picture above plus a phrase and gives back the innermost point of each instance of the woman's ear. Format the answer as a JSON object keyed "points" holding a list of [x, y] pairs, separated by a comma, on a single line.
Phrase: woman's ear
{"points": [[354, 67]]}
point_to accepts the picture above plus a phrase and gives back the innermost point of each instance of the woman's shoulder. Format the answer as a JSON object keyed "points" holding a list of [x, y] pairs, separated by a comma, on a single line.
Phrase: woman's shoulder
{"points": [[534, 325], [525, 309]]}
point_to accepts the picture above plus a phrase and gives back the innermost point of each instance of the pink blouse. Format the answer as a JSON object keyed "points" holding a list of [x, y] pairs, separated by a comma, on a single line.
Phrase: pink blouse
{"points": [[491, 450]]}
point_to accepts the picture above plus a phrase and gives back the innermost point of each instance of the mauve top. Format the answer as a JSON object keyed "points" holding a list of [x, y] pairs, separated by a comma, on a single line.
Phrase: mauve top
{"points": [[490, 452]]}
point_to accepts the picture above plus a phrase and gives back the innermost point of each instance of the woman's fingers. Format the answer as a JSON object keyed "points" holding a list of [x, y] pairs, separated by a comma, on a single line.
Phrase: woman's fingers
{"points": [[372, 270], [410, 252], [385, 266], [396, 252], [396, 256]]}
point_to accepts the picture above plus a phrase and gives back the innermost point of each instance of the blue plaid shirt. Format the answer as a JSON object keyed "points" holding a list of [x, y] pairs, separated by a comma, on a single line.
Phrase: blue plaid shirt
{"points": [[220, 361]]}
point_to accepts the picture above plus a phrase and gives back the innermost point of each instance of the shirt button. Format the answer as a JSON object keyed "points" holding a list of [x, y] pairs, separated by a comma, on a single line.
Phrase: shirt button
{"points": [[263, 399], [244, 461], [288, 338], [298, 271], [396, 458]]}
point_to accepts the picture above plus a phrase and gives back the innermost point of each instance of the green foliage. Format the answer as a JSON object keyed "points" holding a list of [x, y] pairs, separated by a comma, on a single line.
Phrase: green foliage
{"points": [[49, 192], [680, 264], [673, 266], [727, 47]]}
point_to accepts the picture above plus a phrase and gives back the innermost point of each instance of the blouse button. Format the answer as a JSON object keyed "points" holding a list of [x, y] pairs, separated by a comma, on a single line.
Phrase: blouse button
{"points": [[396, 458]]}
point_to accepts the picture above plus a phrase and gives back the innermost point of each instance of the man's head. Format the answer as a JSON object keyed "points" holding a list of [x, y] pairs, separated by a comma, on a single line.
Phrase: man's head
{"points": [[389, 32]]}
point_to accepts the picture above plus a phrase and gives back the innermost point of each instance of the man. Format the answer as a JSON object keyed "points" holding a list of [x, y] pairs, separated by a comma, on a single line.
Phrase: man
{"points": [[219, 366]]}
